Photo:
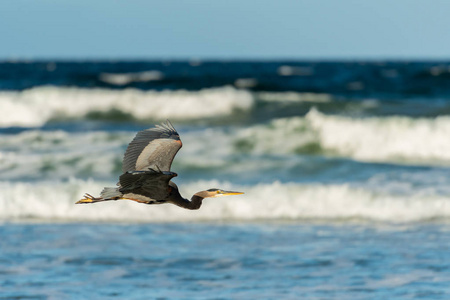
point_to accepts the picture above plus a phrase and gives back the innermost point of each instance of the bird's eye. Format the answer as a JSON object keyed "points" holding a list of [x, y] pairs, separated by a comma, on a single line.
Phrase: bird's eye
{"points": [[218, 192]]}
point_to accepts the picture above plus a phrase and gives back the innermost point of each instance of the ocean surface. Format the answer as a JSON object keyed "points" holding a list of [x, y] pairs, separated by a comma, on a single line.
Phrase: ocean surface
{"points": [[345, 168]]}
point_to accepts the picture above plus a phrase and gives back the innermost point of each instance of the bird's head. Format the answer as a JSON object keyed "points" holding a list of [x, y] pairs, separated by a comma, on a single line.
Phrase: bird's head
{"points": [[211, 193]]}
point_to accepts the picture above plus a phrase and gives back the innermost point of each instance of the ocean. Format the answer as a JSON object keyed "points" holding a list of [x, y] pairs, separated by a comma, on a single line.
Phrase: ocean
{"points": [[345, 168]]}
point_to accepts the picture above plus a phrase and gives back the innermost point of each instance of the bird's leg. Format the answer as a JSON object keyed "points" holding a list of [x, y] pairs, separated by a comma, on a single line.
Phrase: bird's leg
{"points": [[88, 198]]}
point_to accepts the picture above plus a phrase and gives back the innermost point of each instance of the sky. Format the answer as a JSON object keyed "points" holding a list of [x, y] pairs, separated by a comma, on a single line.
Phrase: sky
{"points": [[225, 29]]}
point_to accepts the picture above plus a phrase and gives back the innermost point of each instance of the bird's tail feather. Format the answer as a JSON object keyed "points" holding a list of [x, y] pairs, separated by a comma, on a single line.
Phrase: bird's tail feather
{"points": [[108, 193], [111, 193]]}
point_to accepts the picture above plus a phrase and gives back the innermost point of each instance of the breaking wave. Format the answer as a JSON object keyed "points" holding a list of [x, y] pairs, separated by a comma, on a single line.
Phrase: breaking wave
{"points": [[37, 106], [49, 201], [376, 139]]}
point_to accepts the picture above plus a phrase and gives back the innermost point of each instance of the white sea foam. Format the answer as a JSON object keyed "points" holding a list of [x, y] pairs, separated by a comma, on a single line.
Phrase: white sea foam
{"points": [[384, 138], [55, 201], [37, 106]]}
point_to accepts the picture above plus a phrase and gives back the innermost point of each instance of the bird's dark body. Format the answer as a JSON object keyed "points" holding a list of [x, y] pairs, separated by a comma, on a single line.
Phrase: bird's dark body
{"points": [[153, 184]]}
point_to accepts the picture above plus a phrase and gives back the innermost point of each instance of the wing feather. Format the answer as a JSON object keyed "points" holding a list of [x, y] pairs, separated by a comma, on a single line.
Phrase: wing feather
{"points": [[153, 148]]}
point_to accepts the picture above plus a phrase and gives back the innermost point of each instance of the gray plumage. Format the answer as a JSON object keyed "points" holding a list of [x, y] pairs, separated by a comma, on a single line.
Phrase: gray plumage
{"points": [[152, 148]]}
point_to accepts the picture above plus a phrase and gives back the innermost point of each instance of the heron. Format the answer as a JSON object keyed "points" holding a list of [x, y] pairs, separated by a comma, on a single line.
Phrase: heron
{"points": [[146, 174]]}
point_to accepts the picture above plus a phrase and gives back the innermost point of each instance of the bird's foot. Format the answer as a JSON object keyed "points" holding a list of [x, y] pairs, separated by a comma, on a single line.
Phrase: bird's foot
{"points": [[88, 198]]}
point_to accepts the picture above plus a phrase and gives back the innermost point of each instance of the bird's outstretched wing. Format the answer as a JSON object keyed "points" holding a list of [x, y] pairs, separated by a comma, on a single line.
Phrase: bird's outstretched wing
{"points": [[152, 148], [152, 184]]}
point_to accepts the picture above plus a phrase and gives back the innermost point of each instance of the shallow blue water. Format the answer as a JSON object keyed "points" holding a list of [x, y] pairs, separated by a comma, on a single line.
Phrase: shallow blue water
{"points": [[224, 261]]}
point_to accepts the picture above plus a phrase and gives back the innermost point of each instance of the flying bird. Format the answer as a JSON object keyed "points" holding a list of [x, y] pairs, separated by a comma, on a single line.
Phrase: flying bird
{"points": [[146, 174]]}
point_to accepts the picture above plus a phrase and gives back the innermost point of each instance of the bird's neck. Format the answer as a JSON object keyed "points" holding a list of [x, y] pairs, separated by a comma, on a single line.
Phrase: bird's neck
{"points": [[195, 203]]}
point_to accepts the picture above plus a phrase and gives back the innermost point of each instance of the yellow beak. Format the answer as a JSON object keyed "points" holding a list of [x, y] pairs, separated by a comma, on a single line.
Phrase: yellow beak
{"points": [[229, 193]]}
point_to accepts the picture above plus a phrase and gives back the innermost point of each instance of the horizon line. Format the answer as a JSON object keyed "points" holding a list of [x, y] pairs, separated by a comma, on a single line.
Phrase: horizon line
{"points": [[221, 59]]}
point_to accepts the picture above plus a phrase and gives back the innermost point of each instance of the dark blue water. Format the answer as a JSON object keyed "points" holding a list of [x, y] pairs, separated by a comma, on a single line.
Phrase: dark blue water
{"points": [[355, 79]]}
